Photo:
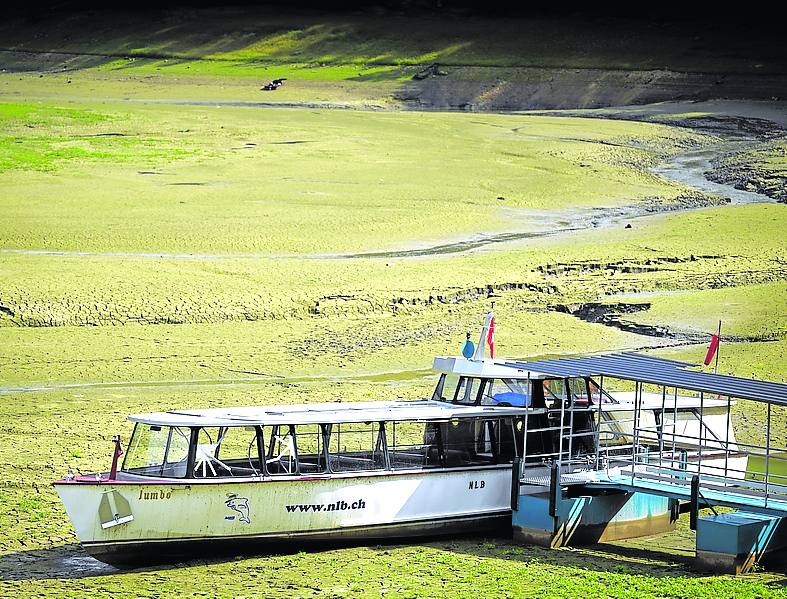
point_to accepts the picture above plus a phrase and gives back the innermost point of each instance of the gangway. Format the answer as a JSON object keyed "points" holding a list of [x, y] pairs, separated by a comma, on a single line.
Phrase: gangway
{"points": [[670, 445], [705, 491]]}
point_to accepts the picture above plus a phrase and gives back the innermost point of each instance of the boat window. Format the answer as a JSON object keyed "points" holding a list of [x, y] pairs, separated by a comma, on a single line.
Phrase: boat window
{"points": [[467, 391], [579, 390], [356, 446], [506, 392], [413, 444], [237, 452], [145, 455], [505, 436], [311, 457], [206, 461], [177, 452], [501, 433], [468, 442], [280, 457], [446, 387], [595, 392], [554, 392]]}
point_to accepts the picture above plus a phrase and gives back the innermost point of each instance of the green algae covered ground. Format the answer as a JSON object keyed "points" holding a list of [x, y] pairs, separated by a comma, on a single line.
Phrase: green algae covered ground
{"points": [[212, 179], [191, 253]]}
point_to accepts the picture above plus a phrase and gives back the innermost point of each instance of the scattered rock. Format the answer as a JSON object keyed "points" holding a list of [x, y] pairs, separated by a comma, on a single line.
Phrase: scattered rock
{"points": [[433, 70], [273, 85]]}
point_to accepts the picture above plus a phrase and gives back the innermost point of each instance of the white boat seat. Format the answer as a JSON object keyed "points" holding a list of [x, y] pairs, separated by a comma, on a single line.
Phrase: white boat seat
{"points": [[205, 458]]}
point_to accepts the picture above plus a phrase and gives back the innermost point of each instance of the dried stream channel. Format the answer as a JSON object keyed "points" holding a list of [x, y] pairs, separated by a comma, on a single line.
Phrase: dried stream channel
{"points": [[689, 168]]}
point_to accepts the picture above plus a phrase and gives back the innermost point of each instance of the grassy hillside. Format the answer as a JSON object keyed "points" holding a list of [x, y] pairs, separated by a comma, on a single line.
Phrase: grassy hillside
{"points": [[370, 58], [256, 36]]}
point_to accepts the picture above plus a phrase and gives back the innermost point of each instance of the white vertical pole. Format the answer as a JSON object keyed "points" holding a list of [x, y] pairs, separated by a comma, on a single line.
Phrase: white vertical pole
{"points": [[718, 351], [635, 428], [598, 426], [570, 399], [767, 453], [727, 439], [479, 350]]}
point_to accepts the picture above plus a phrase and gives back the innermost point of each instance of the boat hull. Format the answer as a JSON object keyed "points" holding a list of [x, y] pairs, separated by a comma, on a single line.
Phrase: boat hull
{"points": [[129, 554], [123, 522]]}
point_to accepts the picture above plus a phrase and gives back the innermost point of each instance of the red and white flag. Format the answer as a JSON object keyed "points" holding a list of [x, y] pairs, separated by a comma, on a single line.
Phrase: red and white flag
{"points": [[490, 338], [712, 349]]}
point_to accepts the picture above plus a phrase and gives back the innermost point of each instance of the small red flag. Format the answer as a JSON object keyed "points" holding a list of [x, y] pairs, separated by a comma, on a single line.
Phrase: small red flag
{"points": [[490, 338], [714, 346]]}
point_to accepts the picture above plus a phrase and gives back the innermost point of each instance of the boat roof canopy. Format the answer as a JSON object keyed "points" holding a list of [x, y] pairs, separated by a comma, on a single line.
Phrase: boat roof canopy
{"points": [[324, 413], [632, 366]]}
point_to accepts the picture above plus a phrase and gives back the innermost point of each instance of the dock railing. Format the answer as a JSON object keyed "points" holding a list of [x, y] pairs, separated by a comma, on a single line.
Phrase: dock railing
{"points": [[642, 444]]}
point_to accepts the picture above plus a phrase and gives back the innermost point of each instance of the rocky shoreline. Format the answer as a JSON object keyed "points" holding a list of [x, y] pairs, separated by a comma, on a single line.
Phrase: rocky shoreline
{"points": [[755, 134], [755, 170], [501, 89]]}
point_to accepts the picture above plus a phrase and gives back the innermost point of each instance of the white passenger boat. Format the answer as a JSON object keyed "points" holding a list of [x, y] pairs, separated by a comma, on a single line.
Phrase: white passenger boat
{"points": [[318, 472], [216, 480]]}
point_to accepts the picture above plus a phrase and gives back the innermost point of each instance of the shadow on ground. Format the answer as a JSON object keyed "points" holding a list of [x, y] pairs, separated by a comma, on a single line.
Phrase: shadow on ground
{"points": [[71, 562]]}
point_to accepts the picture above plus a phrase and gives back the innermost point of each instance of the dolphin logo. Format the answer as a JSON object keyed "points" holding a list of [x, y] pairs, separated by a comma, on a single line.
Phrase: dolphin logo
{"points": [[240, 505]]}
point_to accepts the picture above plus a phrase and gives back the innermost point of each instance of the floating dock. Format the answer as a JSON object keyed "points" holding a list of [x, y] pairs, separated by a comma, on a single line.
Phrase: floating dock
{"points": [[607, 480]]}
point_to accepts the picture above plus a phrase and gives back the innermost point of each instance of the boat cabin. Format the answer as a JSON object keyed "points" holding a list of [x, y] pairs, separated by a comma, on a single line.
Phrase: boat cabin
{"points": [[319, 439], [573, 419]]}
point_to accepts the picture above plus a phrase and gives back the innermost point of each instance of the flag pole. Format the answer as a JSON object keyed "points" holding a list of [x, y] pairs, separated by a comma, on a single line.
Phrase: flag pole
{"points": [[718, 351]]}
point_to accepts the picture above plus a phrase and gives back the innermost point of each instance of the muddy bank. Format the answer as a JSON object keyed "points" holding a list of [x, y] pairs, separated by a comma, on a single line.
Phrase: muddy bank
{"points": [[699, 168], [615, 314], [506, 89], [696, 167], [762, 170], [746, 164]]}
